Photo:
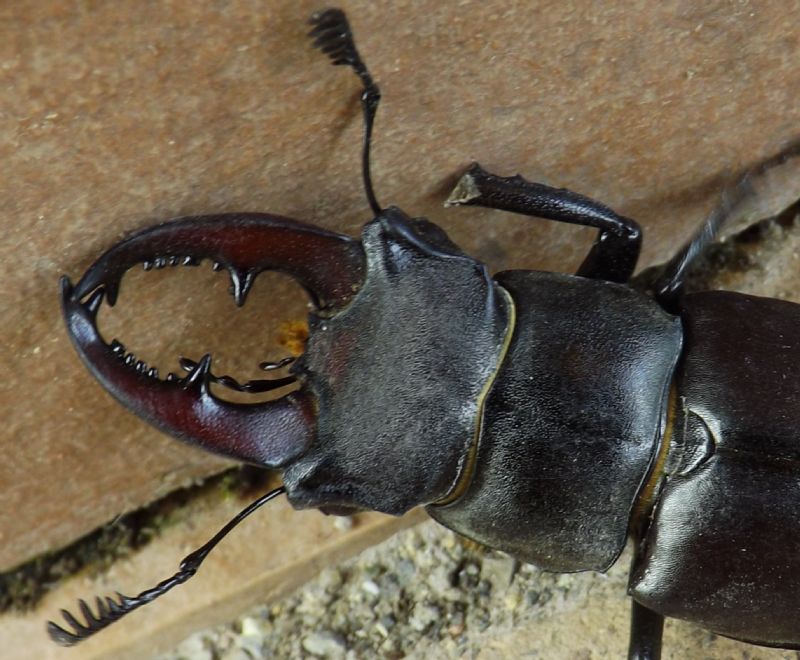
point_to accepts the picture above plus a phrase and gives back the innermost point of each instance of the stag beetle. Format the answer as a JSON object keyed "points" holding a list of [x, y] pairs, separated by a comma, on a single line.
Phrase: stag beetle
{"points": [[547, 415]]}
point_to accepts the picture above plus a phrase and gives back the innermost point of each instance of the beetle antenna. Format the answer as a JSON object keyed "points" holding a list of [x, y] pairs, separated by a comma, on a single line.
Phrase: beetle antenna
{"points": [[333, 36], [110, 610]]}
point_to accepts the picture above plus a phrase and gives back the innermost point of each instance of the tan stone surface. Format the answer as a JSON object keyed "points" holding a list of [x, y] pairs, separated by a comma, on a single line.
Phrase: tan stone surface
{"points": [[115, 115]]}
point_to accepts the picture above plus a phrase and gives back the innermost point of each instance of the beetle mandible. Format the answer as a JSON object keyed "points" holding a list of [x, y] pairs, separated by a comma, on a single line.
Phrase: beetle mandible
{"points": [[560, 415]]}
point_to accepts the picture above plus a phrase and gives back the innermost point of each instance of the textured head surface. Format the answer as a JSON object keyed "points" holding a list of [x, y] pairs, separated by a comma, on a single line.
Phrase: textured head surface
{"points": [[398, 375]]}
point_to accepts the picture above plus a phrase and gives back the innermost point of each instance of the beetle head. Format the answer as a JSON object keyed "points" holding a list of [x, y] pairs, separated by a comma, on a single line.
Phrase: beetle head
{"points": [[405, 334], [399, 374]]}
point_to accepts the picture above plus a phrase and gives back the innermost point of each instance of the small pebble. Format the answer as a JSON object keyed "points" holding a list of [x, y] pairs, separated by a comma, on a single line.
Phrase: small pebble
{"points": [[498, 569], [423, 616], [236, 654], [325, 644], [330, 579], [193, 648], [371, 588], [251, 627], [343, 523]]}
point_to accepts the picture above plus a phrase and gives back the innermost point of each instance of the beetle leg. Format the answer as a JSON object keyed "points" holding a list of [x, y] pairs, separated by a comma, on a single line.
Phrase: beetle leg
{"points": [[615, 252], [733, 204], [647, 627]]}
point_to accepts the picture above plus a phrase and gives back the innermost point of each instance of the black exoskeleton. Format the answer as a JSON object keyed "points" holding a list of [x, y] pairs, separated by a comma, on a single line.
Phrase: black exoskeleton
{"points": [[547, 415]]}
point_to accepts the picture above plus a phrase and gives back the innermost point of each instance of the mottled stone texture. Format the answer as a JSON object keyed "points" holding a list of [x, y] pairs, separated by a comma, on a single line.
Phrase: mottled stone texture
{"points": [[116, 115]]}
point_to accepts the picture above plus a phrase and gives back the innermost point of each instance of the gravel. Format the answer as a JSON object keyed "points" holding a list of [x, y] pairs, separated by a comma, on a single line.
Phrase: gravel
{"points": [[424, 593]]}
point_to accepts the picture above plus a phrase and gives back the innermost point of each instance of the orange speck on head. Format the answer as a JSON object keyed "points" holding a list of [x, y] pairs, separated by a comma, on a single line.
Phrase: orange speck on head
{"points": [[292, 335]]}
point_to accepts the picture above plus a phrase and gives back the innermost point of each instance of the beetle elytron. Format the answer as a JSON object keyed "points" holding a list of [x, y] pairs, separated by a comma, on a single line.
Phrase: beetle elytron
{"points": [[547, 415]]}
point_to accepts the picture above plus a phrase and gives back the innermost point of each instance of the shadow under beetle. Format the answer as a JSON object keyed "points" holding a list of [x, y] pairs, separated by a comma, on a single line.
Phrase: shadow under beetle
{"points": [[543, 414]]}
